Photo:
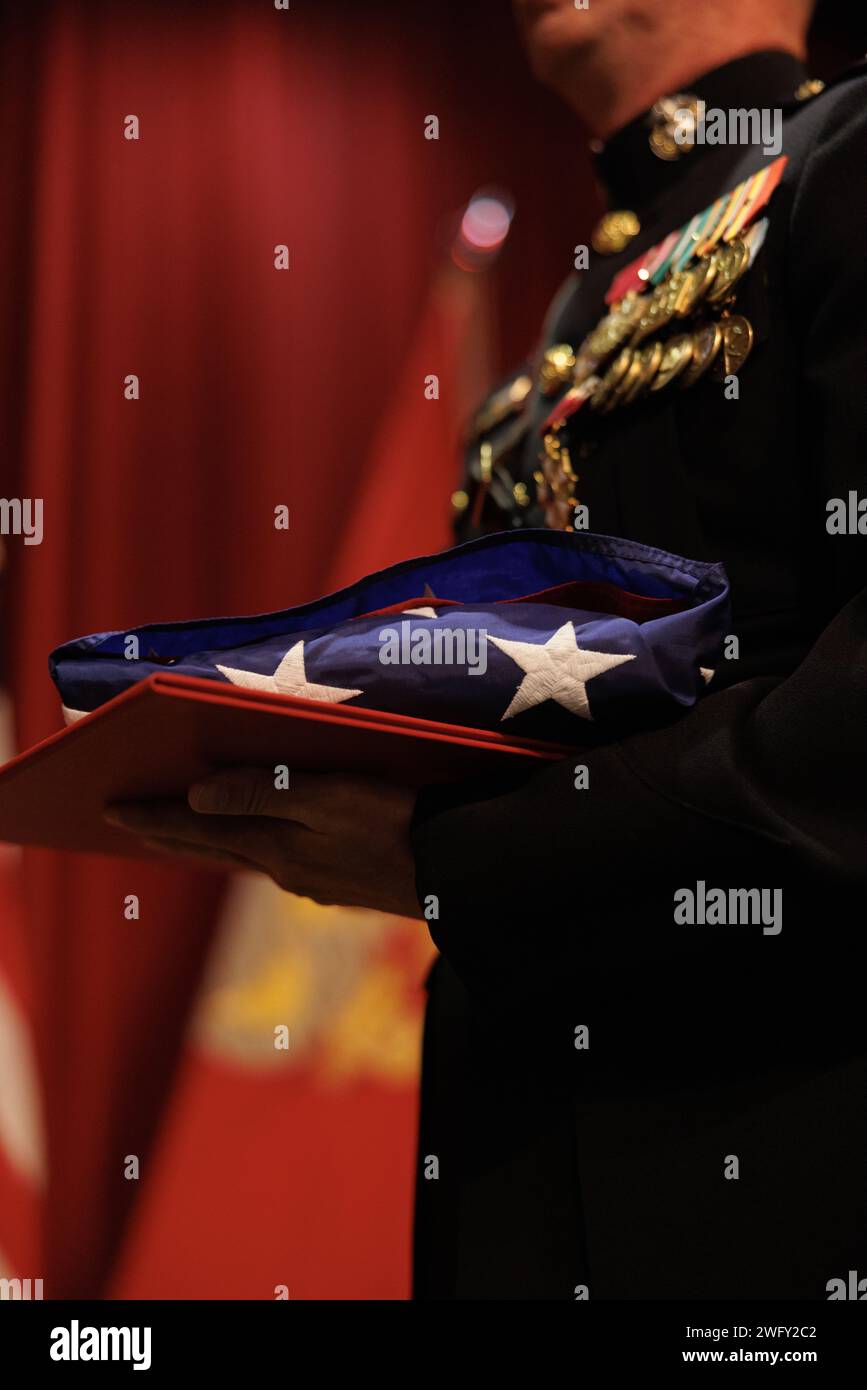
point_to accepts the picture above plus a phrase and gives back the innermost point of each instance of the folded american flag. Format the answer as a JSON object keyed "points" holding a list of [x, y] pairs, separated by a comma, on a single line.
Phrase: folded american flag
{"points": [[531, 632]]}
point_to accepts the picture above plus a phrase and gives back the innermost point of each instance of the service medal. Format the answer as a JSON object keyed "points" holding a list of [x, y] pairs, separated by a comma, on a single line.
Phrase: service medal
{"points": [[612, 379], [737, 342], [623, 389], [706, 343], [697, 283], [676, 357], [649, 357], [657, 312], [732, 261]]}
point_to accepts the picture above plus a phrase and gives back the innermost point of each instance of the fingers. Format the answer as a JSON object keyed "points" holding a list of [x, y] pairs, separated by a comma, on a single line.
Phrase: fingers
{"points": [[321, 801], [281, 857], [252, 842], [244, 791], [203, 855], [329, 837], [174, 820]]}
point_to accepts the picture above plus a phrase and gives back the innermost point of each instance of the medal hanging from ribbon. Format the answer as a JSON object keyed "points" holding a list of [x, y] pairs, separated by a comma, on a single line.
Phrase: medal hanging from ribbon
{"points": [[669, 319]]}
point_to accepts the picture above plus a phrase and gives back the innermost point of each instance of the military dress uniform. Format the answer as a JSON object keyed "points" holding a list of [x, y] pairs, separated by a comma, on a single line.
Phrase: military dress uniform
{"points": [[606, 1170]]}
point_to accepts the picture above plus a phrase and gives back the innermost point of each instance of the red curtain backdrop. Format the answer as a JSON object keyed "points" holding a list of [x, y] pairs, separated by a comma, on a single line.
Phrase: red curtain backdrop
{"points": [[316, 1145], [259, 387]]}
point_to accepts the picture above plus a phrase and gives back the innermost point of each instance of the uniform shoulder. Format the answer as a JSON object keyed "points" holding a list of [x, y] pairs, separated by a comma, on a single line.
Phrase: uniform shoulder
{"points": [[851, 73], [828, 148], [814, 99], [827, 120]]}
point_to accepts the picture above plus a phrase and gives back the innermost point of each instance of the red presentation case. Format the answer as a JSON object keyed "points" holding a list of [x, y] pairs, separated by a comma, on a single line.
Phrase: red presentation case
{"points": [[164, 733]]}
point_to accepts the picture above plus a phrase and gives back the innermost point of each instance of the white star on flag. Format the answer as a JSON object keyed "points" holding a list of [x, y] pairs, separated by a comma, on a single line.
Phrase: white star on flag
{"points": [[556, 670], [290, 678]]}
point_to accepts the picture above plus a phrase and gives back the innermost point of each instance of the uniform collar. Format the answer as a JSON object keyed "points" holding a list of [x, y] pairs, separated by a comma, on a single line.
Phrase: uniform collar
{"points": [[632, 176]]}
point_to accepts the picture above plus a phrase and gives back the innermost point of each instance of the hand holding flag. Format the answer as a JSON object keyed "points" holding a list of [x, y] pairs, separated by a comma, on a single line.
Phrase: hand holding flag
{"points": [[556, 618], [337, 840]]}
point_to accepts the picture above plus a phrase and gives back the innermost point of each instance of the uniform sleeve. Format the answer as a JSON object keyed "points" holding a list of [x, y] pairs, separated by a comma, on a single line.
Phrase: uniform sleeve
{"points": [[763, 784]]}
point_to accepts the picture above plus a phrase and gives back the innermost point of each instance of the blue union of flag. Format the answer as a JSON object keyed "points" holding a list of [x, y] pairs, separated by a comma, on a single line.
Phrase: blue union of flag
{"points": [[544, 634]]}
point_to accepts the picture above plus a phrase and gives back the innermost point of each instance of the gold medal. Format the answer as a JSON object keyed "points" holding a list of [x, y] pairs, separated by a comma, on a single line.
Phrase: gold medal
{"points": [[612, 379], [502, 404], [555, 483], [647, 322], [732, 261], [676, 357], [622, 391], [649, 357], [609, 334], [614, 231], [706, 343], [737, 343], [696, 284], [556, 368], [657, 311]]}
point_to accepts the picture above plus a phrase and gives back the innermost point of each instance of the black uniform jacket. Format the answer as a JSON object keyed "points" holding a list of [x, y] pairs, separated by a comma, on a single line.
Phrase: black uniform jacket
{"points": [[711, 1140]]}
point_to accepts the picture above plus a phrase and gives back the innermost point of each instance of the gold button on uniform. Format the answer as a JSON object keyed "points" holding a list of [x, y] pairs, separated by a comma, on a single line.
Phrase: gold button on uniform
{"points": [[614, 231], [811, 88], [663, 122], [556, 368]]}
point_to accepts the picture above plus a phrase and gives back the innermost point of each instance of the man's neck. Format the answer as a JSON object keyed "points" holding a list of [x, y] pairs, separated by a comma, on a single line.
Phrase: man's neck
{"points": [[621, 84]]}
